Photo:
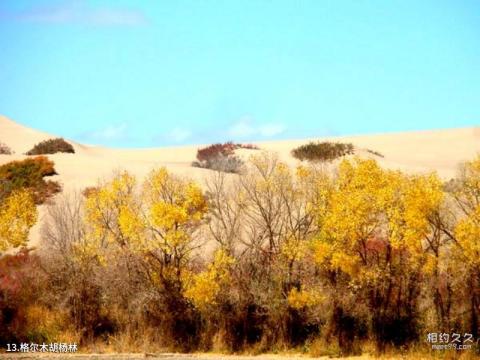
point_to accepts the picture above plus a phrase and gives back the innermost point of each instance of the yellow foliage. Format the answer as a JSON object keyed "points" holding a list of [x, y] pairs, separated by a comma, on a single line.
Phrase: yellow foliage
{"points": [[299, 299], [408, 216], [159, 217], [467, 233], [431, 263], [108, 208], [17, 215], [88, 249], [356, 203], [294, 249], [303, 172], [131, 224], [321, 251], [470, 181], [377, 206], [467, 230], [175, 205], [203, 289], [166, 215], [347, 263]]}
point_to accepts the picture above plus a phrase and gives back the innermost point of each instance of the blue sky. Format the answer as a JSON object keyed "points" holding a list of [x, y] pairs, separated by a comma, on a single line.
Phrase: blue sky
{"points": [[154, 73]]}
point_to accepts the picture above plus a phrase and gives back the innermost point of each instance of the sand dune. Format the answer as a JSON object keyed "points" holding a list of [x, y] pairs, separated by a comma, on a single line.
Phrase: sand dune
{"points": [[20, 138], [422, 151], [417, 152]]}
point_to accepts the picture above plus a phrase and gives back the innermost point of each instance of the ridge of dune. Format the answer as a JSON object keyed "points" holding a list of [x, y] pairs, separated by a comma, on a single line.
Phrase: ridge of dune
{"points": [[415, 152], [440, 150], [20, 138]]}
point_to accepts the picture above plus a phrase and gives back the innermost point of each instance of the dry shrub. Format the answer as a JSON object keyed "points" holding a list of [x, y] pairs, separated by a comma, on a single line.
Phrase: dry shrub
{"points": [[74, 277], [89, 190], [219, 149], [29, 174], [227, 164], [248, 146], [111, 295], [322, 151], [44, 324], [253, 220], [143, 340], [319, 347], [51, 146], [4, 149], [219, 157], [376, 153], [21, 282], [215, 150], [26, 312]]}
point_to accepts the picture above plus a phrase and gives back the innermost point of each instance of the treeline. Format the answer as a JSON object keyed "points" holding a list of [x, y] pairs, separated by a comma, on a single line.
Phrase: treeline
{"points": [[330, 262]]}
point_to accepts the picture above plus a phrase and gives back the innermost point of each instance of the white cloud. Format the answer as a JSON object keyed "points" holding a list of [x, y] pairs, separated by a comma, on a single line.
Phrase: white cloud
{"points": [[271, 129], [242, 128], [178, 135], [111, 132], [246, 127], [78, 12]]}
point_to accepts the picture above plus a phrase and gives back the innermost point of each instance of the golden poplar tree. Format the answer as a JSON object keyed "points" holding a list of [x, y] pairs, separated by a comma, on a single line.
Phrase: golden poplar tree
{"points": [[155, 221], [466, 240], [18, 214], [371, 245]]}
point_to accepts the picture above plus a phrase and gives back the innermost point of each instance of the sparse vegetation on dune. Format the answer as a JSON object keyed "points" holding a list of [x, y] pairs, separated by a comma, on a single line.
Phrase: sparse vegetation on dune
{"points": [[228, 164], [221, 157], [322, 151], [29, 175], [51, 146], [366, 261], [214, 150], [4, 149], [247, 146], [374, 152]]}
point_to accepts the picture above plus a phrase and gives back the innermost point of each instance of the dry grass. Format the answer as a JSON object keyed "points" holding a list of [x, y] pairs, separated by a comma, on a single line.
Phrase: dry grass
{"points": [[322, 151], [4, 149], [51, 146]]}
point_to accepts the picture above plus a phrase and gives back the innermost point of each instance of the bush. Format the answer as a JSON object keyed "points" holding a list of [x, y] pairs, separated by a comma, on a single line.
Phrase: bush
{"points": [[215, 150], [225, 149], [51, 146], [29, 174], [4, 149], [220, 157], [376, 153], [89, 190], [19, 280], [248, 146], [322, 151], [228, 164]]}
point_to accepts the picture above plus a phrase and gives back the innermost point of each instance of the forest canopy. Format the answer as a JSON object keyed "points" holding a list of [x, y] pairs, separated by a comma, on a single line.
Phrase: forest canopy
{"points": [[336, 262]]}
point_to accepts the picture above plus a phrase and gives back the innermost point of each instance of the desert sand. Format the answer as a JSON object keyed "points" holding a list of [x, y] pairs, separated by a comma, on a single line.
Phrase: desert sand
{"points": [[414, 152]]}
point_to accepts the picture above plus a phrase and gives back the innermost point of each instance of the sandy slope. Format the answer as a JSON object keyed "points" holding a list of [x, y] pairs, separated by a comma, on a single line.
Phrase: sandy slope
{"points": [[425, 151], [440, 150]]}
